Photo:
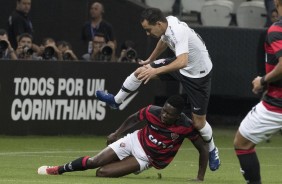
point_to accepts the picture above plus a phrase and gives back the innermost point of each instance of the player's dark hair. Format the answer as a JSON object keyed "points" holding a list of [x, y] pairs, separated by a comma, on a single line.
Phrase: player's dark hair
{"points": [[152, 15], [177, 102]]}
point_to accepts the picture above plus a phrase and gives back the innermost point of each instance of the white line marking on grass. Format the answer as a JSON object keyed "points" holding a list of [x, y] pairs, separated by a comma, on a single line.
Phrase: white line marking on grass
{"points": [[96, 151]]}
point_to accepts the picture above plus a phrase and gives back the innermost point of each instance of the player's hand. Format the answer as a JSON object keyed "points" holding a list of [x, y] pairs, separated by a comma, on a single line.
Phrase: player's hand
{"points": [[147, 74], [142, 62], [112, 138], [257, 87]]}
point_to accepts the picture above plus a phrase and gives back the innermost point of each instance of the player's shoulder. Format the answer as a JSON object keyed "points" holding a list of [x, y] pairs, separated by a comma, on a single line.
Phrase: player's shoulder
{"points": [[275, 27], [154, 108], [150, 109]]}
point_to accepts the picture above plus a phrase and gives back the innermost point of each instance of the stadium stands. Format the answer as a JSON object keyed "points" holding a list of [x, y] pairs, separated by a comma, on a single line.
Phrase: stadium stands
{"points": [[217, 13], [251, 14], [164, 5]]}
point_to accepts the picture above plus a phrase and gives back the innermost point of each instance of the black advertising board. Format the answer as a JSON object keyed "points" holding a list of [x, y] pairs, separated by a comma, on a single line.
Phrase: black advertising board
{"points": [[52, 98]]}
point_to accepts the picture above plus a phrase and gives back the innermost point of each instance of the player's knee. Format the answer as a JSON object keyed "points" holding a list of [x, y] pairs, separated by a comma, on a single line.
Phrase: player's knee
{"points": [[235, 142], [100, 172], [199, 123], [241, 142], [92, 162], [138, 71], [103, 172]]}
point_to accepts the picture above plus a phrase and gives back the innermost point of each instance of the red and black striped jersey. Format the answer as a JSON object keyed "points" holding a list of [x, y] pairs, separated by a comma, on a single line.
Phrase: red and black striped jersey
{"points": [[159, 141], [272, 100]]}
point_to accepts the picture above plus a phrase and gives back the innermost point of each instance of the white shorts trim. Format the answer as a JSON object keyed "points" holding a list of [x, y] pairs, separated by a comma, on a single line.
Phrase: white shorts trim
{"points": [[129, 145], [260, 124]]}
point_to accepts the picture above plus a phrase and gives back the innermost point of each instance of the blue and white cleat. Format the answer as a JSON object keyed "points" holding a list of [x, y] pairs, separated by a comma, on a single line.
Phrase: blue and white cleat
{"points": [[108, 98], [214, 161]]}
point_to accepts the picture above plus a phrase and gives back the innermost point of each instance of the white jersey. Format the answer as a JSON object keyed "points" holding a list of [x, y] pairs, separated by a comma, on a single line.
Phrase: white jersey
{"points": [[180, 38]]}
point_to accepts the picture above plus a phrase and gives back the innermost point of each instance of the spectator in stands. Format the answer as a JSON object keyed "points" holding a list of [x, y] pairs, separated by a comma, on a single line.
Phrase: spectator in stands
{"points": [[50, 51], [274, 16], [26, 49], [66, 50], [128, 53], [101, 51], [6, 50], [19, 22], [271, 12], [97, 24]]}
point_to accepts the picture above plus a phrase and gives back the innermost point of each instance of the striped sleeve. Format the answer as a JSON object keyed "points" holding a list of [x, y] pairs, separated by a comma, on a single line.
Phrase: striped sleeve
{"points": [[275, 39]]}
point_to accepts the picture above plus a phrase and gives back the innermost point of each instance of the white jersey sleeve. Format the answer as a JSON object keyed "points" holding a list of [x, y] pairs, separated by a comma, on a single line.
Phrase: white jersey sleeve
{"points": [[180, 38]]}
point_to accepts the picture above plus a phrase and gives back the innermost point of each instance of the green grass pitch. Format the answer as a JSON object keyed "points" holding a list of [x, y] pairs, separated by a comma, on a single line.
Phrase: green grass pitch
{"points": [[20, 156]]}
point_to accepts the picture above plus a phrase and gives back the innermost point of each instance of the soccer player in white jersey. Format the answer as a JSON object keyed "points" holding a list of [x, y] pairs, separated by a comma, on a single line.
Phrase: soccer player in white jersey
{"points": [[191, 66]]}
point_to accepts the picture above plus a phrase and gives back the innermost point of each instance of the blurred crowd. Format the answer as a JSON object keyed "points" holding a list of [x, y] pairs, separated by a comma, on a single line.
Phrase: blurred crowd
{"points": [[16, 42]]}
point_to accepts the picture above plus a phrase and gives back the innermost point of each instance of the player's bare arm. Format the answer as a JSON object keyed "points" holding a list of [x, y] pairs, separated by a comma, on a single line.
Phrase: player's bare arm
{"points": [[203, 150], [160, 48], [180, 62], [130, 122]]}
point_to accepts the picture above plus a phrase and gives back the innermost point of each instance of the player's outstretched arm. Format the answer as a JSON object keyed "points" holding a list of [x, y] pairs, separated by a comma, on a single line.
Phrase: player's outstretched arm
{"points": [[130, 122], [203, 150]]}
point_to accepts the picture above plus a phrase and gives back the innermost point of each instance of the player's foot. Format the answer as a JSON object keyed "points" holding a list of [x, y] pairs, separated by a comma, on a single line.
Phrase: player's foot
{"points": [[108, 98], [214, 161], [48, 170]]}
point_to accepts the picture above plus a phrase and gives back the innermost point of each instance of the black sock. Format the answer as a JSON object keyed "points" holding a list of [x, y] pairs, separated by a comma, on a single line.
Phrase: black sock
{"points": [[76, 165], [250, 167]]}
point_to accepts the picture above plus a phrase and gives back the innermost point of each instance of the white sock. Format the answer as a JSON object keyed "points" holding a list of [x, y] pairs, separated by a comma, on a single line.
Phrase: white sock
{"points": [[131, 83], [206, 133]]}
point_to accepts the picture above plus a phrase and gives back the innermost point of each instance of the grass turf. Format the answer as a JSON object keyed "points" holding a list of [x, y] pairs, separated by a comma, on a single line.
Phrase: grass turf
{"points": [[20, 157]]}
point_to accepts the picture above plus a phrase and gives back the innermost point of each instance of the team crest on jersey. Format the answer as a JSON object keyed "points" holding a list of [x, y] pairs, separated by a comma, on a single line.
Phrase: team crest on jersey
{"points": [[174, 136]]}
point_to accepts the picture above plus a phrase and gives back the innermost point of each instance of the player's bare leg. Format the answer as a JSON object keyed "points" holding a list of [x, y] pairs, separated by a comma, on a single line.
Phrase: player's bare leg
{"points": [[121, 168], [103, 158]]}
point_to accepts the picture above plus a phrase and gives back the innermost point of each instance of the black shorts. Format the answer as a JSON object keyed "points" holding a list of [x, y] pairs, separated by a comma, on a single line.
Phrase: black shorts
{"points": [[197, 89]]}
